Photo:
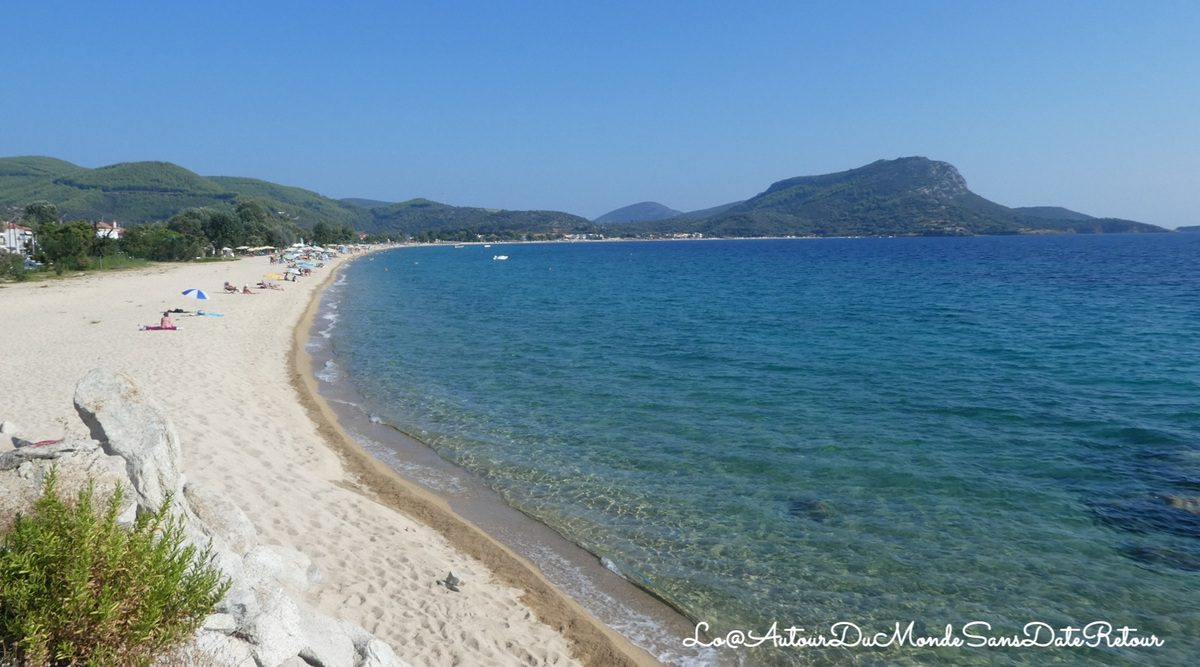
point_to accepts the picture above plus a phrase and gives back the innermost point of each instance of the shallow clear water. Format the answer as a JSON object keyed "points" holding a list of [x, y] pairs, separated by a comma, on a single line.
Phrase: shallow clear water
{"points": [[812, 431]]}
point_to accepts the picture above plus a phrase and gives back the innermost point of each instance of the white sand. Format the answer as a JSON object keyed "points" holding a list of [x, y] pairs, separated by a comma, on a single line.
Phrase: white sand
{"points": [[227, 384]]}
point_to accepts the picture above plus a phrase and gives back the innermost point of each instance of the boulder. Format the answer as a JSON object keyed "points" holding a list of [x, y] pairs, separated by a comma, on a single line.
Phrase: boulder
{"points": [[130, 424], [222, 649], [378, 654], [80, 461], [216, 516], [275, 633], [223, 623], [280, 566], [13, 459], [326, 643]]}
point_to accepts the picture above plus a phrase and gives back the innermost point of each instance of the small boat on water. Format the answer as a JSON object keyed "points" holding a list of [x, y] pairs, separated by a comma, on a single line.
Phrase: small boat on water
{"points": [[460, 246], [487, 245], [499, 258]]}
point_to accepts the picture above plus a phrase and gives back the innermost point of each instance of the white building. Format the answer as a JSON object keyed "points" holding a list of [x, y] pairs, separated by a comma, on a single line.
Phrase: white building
{"points": [[17, 238], [105, 230]]}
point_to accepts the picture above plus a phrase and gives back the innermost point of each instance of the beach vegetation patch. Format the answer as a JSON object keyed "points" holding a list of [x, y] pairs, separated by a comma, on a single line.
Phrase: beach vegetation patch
{"points": [[12, 267], [76, 587]]}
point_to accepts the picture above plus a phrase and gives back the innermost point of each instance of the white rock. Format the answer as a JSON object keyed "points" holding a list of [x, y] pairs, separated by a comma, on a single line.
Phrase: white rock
{"points": [[8, 428], [379, 654], [13, 459], [326, 643], [78, 462], [222, 649], [241, 603], [281, 566], [223, 623], [221, 556], [218, 517], [129, 423], [357, 633], [275, 633]]}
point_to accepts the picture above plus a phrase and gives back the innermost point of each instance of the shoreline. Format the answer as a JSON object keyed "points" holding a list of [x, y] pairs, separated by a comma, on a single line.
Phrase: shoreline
{"points": [[225, 383], [590, 641]]}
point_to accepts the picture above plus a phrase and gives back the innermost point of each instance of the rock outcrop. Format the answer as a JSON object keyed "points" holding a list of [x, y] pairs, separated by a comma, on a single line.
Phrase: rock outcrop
{"points": [[262, 620], [130, 425]]}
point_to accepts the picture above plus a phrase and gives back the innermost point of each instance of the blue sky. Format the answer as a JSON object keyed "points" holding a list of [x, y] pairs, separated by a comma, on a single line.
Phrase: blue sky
{"points": [[587, 106]]}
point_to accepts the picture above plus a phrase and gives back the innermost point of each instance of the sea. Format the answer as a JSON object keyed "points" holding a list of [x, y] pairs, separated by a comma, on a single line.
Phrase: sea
{"points": [[867, 441]]}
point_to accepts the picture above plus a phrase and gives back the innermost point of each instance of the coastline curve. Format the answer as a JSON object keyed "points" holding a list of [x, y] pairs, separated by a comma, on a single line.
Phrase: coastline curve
{"points": [[590, 641]]}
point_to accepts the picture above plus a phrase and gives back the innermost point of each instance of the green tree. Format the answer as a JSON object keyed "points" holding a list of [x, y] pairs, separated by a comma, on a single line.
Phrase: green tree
{"points": [[40, 213], [250, 212], [280, 234], [102, 246], [159, 243], [321, 233], [344, 234], [12, 266], [224, 230], [255, 222], [66, 245], [189, 223]]}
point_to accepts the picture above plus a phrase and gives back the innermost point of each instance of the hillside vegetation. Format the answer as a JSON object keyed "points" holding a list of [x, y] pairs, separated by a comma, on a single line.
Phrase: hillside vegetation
{"points": [[907, 196], [426, 219], [137, 193], [911, 196], [647, 211]]}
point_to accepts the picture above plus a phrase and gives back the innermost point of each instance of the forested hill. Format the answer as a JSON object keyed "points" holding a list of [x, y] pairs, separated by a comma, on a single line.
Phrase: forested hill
{"points": [[140, 192], [911, 196], [646, 211], [422, 218], [906, 196]]}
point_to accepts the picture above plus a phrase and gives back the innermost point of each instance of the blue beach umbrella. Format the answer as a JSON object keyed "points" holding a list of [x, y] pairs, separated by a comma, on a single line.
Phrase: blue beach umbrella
{"points": [[193, 293]]}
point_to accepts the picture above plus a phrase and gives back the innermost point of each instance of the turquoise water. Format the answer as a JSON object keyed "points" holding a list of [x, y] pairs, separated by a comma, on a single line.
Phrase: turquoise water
{"points": [[812, 431]]}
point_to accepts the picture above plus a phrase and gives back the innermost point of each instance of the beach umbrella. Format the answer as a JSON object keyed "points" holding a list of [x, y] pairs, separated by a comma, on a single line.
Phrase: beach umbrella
{"points": [[193, 293]]}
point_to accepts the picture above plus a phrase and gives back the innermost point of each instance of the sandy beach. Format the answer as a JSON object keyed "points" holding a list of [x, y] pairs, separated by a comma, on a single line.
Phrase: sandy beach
{"points": [[252, 427]]}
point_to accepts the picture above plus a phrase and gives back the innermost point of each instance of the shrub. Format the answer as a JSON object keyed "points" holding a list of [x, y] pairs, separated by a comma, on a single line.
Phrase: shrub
{"points": [[12, 266], [77, 588], [66, 244]]}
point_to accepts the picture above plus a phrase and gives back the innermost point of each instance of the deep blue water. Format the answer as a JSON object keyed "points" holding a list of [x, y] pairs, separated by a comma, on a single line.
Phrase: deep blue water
{"points": [[810, 431]]}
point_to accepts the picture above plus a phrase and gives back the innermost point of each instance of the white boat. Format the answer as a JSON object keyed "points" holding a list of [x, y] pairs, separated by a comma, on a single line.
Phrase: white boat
{"points": [[487, 245], [499, 258], [460, 246]]}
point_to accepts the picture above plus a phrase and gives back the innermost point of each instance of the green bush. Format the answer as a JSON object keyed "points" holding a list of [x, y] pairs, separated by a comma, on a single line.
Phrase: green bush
{"points": [[159, 243], [78, 589], [12, 266], [66, 244]]}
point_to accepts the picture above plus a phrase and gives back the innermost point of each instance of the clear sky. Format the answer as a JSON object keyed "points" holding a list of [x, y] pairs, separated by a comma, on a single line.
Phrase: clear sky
{"points": [[588, 106]]}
